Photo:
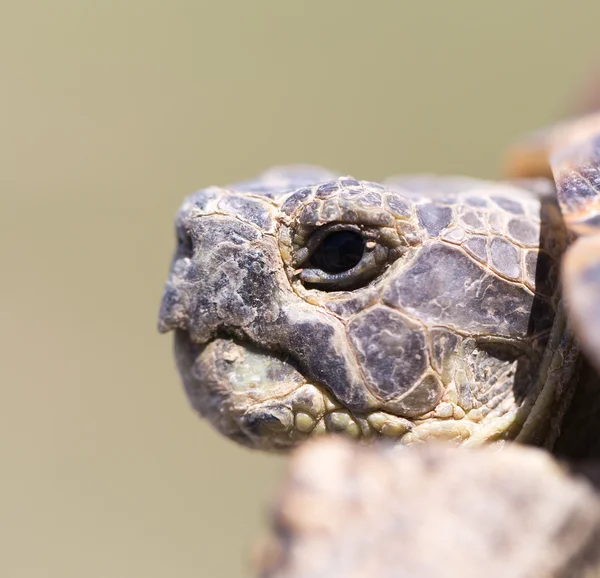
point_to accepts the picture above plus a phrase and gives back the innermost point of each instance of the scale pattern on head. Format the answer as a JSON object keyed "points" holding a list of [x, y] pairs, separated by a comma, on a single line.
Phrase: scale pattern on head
{"points": [[304, 302]]}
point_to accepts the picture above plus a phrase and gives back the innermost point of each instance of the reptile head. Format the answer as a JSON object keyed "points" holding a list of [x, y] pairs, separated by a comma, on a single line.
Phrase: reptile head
{"points": [[305, 303]]}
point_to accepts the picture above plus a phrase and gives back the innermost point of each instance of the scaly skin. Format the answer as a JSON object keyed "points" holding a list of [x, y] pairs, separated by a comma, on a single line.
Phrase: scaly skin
{"points": [[450, 326]]}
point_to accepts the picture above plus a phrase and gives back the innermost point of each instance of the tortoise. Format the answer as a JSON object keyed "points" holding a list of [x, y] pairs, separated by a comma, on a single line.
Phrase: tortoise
{"points": [[423, 307]]}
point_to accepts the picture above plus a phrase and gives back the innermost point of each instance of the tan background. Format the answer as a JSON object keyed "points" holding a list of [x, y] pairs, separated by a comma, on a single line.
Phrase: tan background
{"points": [[110, 113]]}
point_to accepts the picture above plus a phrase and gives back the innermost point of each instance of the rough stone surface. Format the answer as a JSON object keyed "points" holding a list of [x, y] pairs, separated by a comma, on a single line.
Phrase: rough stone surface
{"points": [[431, 511]]}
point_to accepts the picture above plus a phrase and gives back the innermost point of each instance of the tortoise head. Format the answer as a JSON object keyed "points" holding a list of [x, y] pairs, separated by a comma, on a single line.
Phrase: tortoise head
{"points": [[304, 303]]}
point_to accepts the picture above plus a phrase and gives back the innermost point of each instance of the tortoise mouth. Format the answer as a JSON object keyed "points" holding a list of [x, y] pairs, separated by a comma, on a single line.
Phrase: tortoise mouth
{"points": [[262, 400]]}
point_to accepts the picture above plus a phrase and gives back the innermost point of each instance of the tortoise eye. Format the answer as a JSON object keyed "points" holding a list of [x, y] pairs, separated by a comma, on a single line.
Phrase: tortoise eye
{"points": [[338, 252], [341, 259]]}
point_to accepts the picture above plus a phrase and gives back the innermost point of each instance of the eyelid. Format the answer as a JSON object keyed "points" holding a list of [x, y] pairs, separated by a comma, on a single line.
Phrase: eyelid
{"points": [[318, 235], [369, 265], [320, 277]]}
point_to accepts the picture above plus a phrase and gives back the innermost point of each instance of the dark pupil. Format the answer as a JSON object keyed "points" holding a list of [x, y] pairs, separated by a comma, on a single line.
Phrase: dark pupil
{"points": [[339, 251]]}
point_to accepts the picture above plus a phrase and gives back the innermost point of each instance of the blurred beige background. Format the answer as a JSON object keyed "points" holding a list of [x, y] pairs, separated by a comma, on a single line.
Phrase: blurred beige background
{"points": [[110, 113]]}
